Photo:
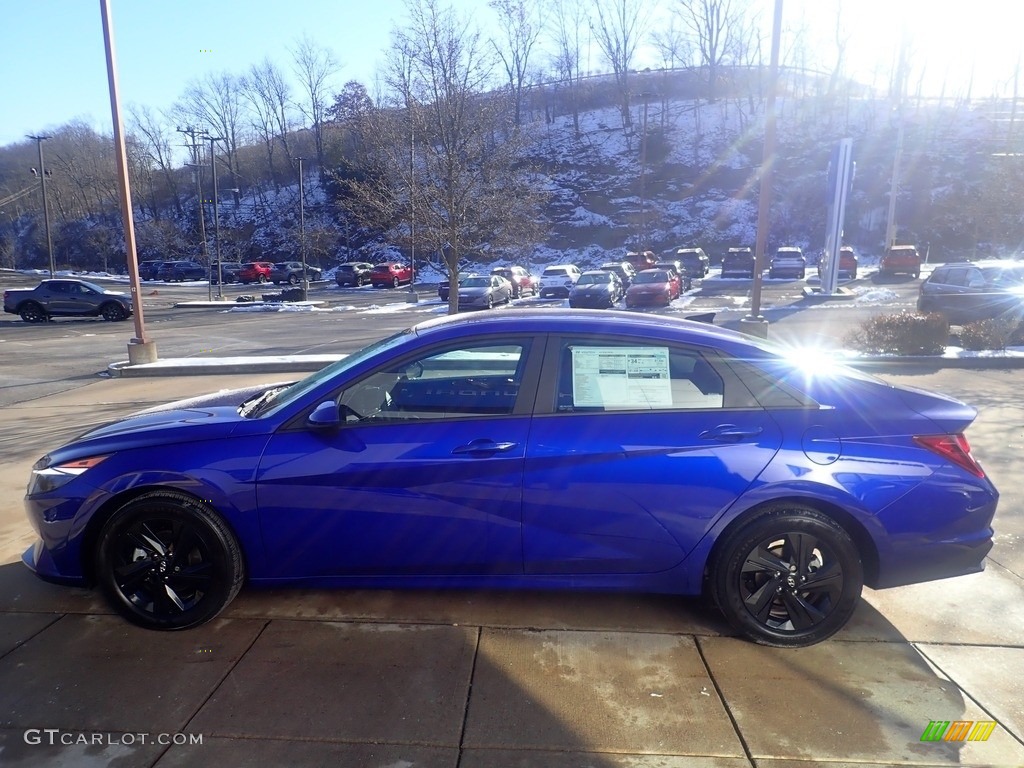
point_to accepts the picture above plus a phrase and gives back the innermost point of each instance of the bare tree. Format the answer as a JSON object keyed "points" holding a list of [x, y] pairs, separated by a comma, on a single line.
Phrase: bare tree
{"points": [[522, 22], [449, 174], [569, 19], [268, 96], [216, 101], [712, 24], [152, 134], [618, 28], [315, 66]]}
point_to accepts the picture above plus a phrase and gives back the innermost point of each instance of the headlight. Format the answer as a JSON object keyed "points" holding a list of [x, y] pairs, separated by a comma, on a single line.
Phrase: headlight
{"points": [[46, 478]]}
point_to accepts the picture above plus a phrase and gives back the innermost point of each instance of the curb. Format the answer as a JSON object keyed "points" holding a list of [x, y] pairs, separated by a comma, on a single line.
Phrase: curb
{"points": [[308, 364], [919, 364]]}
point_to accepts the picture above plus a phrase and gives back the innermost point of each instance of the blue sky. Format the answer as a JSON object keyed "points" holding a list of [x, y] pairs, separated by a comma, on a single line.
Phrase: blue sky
{"points": [[53, 68]]}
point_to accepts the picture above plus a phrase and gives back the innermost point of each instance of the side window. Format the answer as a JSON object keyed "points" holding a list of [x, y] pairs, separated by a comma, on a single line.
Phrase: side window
{"points": [[454, 382], [59, 287], [635, 377], [957, 277]]}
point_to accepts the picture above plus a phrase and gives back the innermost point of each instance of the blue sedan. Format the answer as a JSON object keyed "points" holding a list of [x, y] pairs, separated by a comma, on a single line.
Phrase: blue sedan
{"points": [[536, 449]]}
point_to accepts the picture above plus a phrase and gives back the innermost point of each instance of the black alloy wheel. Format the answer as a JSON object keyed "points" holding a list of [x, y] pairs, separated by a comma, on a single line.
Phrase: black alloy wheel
{"points": [[165, 561], [790, 577], [113, 312], [32, 313]]}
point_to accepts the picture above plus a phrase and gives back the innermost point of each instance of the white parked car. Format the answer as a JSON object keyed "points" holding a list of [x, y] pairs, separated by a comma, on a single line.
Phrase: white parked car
{"points": [[558, 280]]}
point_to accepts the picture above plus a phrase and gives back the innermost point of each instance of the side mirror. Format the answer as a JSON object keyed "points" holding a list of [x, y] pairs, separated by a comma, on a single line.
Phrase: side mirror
{"points": [[325, 416]]}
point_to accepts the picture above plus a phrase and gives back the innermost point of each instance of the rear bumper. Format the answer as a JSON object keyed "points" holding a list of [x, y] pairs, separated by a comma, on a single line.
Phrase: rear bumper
{"points": [[941, 560]]}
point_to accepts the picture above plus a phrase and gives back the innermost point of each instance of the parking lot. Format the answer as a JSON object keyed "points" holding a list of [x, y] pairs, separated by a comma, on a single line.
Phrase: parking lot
{"points": [[382, 678]]}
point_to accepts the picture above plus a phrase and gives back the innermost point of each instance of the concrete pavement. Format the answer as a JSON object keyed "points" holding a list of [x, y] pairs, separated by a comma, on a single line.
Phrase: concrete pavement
{"points": [[472, 679]]}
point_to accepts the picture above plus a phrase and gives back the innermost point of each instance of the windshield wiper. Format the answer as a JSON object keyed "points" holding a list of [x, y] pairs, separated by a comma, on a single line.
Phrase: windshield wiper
{"points": [[251, 407]]}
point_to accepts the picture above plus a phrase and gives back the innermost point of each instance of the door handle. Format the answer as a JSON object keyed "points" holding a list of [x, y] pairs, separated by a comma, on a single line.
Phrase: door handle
{"points": [[483, 446], [729, 433]]}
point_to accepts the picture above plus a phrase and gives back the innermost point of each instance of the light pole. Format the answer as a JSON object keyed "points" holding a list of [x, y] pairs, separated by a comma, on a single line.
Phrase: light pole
{"points": [[302, 228], [216, 216], [46, 207], [754, 323]]}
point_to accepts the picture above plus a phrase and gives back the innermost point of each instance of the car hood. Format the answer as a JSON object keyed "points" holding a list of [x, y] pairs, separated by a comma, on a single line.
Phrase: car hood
{"points": [[199, 418]]}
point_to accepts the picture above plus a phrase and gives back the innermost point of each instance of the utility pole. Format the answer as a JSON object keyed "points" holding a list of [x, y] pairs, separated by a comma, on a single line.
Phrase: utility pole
{"points": [[198, 176], [894, 185], [302, 228], [46, 208], [216, 215]]}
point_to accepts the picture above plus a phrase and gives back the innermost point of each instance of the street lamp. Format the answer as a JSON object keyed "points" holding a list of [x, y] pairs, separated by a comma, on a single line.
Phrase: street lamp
{"points": [[216, 216], [46, 208]]}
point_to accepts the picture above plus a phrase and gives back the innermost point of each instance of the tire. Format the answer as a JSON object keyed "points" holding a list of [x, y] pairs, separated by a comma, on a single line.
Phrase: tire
{"points": [[756, 577], [165, 561], [395, 283], [261, 279], [490, 301], [32, 313], [916, 273], [293, 279], [113, 312]]}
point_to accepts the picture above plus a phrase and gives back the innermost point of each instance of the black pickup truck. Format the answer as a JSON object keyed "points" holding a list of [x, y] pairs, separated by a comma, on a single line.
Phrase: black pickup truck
{"points": [[67, 298]]}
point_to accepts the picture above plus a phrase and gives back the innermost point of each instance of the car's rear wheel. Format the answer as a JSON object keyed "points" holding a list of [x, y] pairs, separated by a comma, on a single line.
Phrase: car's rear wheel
{"points": [[166, 561], [32, 313], [261, 279], [113, 312], [293, 279], [792, 576], [396, 282]]}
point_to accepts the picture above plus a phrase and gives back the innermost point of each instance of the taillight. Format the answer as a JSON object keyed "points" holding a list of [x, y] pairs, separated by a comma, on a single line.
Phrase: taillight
{"points": [[954, 448]]}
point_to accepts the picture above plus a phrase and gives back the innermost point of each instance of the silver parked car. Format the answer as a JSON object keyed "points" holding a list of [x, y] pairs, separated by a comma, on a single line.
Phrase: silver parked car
{"points": [[484, 291]]}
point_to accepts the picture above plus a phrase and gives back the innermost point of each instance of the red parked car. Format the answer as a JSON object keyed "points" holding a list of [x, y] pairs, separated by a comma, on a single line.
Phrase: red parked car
{"points": [[255, 272], [390, 274], [652, 288], [901, 258]]}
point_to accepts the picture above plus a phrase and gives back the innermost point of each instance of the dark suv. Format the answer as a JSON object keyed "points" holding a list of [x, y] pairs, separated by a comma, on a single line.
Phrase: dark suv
{"points": [[695, 261], [968, 292], [179, 271], [291, 272], [355, 273], [738, 262], [149, 270]]}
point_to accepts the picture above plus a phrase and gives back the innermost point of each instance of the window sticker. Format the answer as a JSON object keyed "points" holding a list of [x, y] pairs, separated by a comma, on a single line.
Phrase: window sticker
{"points": [[621, 377]]}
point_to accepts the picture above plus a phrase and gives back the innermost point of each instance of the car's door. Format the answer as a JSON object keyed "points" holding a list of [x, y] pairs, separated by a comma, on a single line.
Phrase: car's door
{"points": [[643, 446], [422, 477]]}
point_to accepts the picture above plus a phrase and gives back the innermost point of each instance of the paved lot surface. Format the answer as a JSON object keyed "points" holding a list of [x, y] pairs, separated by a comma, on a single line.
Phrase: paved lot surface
{"points": [[474, 679]]}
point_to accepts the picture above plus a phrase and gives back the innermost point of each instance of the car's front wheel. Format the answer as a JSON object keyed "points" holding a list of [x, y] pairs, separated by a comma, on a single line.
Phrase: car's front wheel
{"points": [[166, 561], [32, 313], [395, 283], [293, 279], [262, 279], [792, 577]]}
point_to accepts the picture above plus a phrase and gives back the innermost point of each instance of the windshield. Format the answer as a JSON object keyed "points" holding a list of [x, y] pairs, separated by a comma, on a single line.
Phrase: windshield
{"points": [[275, 399], [586, 279]]}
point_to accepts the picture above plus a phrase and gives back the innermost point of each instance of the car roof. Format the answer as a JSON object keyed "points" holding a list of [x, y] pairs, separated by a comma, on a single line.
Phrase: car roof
{"points": [[612, 322]]}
